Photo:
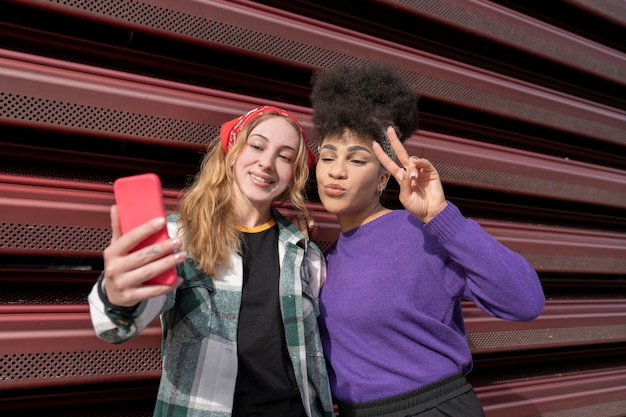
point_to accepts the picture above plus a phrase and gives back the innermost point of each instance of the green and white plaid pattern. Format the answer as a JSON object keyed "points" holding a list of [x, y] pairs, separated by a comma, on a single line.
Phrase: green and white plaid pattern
{"points": [[199, 323]]}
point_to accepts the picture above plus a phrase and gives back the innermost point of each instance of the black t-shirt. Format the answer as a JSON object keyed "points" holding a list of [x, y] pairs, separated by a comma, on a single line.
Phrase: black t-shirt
{"points": [[266, 384]]}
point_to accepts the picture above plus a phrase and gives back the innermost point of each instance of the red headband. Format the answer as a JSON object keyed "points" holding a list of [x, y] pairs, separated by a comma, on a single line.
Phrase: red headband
{"points": [[230, 131]]}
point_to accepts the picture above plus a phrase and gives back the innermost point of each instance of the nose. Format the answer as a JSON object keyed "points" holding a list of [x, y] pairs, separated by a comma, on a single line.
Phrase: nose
{"points": [[337, 170], [266, 161]]}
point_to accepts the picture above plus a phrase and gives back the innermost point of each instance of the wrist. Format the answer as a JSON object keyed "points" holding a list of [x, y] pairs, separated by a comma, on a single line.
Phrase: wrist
{"points": [[435, 213], [108, 306]]}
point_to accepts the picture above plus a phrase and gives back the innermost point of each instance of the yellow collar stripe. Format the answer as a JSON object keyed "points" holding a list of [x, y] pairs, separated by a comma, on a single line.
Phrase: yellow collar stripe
{"points": [[257, 229]]}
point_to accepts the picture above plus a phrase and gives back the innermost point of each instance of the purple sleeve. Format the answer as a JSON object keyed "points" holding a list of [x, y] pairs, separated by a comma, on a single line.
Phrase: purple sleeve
{"points": [[499, 281]]}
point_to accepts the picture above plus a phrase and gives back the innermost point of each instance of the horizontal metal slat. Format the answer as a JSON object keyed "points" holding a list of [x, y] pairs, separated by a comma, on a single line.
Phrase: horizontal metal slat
{"points": [[274, 35], [614, 11], [40, 165], [45, 350], [548, 249], [120, 400], [43, 86], [55, 218], [561, 324], [45, 290], [521, 32], [70, 339], [44, 93], [474, 164], [65, 222], [551, 249], [600, 394]]}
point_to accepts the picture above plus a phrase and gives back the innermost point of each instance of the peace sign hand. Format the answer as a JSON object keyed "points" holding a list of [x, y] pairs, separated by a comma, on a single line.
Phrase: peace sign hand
{"points": [[421, 192]]}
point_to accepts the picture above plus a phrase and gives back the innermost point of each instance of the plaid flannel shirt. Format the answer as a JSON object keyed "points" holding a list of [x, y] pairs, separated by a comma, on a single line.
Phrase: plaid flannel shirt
{"points": [[199, 322]]}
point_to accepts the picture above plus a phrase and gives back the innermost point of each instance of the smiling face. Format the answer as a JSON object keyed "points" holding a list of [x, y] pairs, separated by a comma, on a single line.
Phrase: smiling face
{"points": [[264, 169], [349, 177]]}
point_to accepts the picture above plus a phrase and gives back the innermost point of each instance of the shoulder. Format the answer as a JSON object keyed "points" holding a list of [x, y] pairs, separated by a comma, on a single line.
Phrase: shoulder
{"points": [[287, 231], [173, 225], [398, 223]]}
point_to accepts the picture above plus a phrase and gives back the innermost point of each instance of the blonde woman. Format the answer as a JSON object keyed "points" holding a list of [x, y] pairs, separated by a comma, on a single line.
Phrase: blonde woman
{"points": [[240, 324]]}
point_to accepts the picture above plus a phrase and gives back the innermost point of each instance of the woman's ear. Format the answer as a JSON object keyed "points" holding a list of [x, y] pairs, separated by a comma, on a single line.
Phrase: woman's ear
{"points": [[384, 178], [382, 181]]}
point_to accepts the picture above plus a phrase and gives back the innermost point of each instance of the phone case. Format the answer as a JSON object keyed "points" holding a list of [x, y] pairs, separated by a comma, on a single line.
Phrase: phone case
{"points": [[139, 198]]}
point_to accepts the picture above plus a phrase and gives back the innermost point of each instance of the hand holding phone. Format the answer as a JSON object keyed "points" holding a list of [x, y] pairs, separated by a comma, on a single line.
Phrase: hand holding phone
{"points": [[139, 198]]}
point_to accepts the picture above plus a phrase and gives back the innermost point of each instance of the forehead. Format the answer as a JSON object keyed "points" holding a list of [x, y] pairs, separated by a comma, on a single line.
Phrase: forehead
{"points": [[278, 131], [347, 138]]}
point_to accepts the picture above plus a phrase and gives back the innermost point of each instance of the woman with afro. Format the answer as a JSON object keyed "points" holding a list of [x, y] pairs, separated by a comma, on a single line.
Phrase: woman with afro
{"points": [[391, 319]]}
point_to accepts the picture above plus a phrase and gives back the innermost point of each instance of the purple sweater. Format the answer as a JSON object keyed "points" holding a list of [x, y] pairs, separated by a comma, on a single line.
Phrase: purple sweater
{"points": [[391, 318]]}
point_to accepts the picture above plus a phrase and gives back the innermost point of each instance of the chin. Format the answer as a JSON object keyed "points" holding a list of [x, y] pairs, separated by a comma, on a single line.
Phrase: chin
{"points": [[332, 207]]}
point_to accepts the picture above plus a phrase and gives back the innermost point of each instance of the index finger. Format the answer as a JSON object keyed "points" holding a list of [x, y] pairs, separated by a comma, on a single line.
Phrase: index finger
{"points": [[398, 147], [385, 160], [116, 233], [125, 243]]}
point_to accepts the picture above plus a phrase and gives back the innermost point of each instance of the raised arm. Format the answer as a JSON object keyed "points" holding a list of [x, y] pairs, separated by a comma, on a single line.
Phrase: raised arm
{"points": [[119, 300]]}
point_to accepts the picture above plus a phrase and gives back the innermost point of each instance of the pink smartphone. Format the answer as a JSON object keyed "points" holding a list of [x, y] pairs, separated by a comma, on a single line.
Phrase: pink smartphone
{"points": [[139, 198]]}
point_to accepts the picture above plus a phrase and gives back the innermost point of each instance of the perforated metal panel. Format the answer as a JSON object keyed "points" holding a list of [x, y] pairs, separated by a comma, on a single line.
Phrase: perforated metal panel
{"points": [[45, 349], [45, 238], [611, 409], [459, 162], [525, 183], [576, 263], [74, 116], [55, 212], [39, 294], [63, 367], [491, 21], [533, 338], [248, 31]]}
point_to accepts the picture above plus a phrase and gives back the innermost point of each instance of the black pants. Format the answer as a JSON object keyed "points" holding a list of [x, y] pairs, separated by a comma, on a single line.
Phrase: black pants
{"points": [[449, 397]]}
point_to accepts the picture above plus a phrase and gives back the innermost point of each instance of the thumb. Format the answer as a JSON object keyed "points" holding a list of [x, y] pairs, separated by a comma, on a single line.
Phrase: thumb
{"points": [[115, 223]]}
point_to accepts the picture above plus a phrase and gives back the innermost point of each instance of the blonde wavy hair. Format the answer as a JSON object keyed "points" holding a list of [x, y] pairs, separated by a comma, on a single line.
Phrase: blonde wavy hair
{"points": [[208, 220]]}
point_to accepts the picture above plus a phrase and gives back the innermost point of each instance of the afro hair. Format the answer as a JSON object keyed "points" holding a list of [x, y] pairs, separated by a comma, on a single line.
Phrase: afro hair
{"points": [[364, 98]]}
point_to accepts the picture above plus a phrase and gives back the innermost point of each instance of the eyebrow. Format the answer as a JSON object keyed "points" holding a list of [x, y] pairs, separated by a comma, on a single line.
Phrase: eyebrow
{"points": [[352, 148]]}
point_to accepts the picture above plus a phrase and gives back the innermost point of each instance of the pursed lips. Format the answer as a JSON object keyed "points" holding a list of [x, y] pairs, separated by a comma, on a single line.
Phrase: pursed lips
{"points": [[334, 189]]}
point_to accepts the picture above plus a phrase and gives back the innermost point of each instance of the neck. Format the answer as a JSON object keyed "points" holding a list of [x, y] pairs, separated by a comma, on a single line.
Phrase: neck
{"points": [[351, 221], [252, 218]]}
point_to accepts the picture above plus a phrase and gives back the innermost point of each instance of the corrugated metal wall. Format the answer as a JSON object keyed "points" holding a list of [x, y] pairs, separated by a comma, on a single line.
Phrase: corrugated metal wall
{"points": [[523, 113]]}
